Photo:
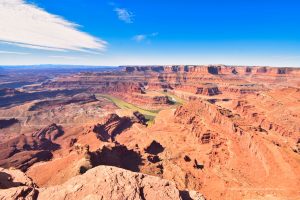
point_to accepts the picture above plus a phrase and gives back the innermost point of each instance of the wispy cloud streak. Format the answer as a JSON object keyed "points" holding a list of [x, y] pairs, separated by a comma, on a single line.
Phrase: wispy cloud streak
{"points": [[14, 52], [26, 25]]}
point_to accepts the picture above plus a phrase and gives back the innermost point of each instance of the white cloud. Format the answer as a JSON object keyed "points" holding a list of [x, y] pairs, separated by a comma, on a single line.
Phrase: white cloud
{"points": [[14, 52], [29, 26], [124, 15], [143, 37], [139, 38]]}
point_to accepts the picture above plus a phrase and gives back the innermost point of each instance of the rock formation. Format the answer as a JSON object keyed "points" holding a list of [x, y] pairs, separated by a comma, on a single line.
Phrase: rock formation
{"points": [[15, 185], [228, 132], [51, 132], [25, 150], [113, 126], [111, 183], [224, 147]]}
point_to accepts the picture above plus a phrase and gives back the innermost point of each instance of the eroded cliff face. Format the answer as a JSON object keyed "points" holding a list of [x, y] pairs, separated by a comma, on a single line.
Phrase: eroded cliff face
{"points": [[214, 69], [227, 154], [201, 146]]}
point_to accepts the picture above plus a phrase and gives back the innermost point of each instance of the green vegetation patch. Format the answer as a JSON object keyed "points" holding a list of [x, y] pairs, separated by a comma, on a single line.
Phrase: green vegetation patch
{"points": [[149, 114]]}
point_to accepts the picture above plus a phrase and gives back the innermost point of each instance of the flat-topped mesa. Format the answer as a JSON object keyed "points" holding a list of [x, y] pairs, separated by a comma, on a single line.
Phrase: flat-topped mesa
{"points": [[197, 79], [95, 84], [144, 68], [272, 70], [214, 69]]}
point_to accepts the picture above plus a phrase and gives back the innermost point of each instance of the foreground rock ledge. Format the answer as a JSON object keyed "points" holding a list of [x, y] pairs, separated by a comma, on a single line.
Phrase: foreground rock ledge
{"points": [[103, 182]]}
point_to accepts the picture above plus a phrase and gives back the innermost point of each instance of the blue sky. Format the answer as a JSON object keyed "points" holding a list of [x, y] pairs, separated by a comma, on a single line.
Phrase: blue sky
{"points": [[104, 32]]}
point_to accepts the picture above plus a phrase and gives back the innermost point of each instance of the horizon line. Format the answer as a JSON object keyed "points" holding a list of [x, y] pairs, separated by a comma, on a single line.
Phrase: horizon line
{"points": [[146, 65]]}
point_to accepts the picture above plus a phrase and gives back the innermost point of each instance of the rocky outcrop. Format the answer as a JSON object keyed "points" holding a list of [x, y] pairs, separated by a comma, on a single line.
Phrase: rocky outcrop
{"points": [[51, 132], [15, 185], [112, 126], [23, 160], [14, 178], [197, 113], [102, 182], [114, 184], [23, 151], [24, 143]]}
